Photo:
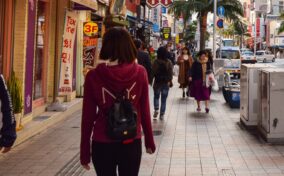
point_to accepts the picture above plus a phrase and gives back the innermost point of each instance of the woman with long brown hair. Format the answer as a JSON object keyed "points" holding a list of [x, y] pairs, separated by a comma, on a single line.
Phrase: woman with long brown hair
{"points": [[117, 82], [185, 62]]}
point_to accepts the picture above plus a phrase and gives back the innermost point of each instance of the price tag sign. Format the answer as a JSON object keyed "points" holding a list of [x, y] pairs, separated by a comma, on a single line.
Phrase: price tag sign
{"points": [[91, 28]]}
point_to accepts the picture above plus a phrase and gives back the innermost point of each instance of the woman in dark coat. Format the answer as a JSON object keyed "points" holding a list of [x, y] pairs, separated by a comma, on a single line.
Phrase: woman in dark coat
{"points": [[198, 77]]}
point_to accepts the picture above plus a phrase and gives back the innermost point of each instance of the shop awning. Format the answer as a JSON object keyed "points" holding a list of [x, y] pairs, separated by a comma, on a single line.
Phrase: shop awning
{"points": [[85, 5], [134, 19]]}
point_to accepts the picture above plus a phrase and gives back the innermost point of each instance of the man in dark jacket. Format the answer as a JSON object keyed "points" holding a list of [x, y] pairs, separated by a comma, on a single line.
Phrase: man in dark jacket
{"points": [[170, 55], [8, 124], [144, 59]]}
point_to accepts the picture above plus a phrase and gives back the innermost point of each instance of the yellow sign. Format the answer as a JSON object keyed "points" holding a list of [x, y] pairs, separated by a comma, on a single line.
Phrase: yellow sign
{"points": [[166, 36], [177, 38], [91, 28]]}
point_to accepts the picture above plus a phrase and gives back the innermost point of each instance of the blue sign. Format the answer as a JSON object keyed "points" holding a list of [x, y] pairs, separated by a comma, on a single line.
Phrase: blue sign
{"points": [[156, 28], [221, 11], [220, 23], [164, 9]]}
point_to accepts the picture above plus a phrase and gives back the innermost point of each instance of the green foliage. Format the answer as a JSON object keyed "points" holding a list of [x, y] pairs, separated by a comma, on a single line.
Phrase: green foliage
{"points": [[190, 32], [234, 10], [281, 28], [15, 89]]}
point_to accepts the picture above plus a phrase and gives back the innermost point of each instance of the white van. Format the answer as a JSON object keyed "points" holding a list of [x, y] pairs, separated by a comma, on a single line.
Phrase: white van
{"points": [[232, 59]]}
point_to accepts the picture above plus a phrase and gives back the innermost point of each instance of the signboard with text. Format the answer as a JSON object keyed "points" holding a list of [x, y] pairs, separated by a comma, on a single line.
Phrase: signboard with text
{"points": [[92, 33], [166, 33], [66, 60]]}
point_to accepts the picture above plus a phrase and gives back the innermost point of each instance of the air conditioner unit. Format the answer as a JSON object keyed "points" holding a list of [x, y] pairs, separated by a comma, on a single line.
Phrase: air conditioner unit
{"points": [[271, 90], [249, 107]]}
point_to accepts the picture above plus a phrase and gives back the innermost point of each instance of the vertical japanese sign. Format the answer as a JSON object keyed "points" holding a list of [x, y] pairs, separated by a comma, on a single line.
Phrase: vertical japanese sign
{"points": [[92, 31], [66, 60]]}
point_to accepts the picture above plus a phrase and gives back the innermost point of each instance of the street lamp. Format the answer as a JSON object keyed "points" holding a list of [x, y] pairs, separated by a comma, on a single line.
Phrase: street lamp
{"points": [[214, 29]]}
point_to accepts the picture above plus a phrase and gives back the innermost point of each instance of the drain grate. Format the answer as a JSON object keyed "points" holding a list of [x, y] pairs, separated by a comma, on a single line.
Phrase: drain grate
{"points": [[228, 172], [72, 168], [41, 118]]}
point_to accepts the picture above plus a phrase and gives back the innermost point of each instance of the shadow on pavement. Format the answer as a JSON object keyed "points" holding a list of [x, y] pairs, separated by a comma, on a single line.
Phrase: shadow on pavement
{"points": [[198, 115]]}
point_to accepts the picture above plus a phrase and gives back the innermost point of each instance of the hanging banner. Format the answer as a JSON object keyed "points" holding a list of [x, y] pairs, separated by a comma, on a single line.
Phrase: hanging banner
{"points": [[153, 3], [30, 54], [92, 32], [66, 60], [166, 3]]}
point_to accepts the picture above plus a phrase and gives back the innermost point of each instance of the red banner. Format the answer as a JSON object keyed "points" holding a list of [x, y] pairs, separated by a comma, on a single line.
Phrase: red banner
{"points": [[166, 3], [153, 3]]}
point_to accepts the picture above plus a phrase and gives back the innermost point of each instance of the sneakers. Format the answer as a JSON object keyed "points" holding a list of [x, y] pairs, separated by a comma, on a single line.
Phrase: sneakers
{"points": [[207, 110], [155, 114], [162, 117]]}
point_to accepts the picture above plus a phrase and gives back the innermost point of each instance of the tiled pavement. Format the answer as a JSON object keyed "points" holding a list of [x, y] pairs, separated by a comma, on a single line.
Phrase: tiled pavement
{"points": [[191, 144]]}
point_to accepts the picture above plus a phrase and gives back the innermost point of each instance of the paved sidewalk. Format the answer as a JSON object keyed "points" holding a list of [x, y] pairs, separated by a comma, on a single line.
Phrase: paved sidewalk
{"points": [[190, 144]]}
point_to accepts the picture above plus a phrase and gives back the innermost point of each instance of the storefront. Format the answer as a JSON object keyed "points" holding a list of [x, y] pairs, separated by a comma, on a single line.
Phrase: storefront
{"points": [[89, 34], [6, 31]]}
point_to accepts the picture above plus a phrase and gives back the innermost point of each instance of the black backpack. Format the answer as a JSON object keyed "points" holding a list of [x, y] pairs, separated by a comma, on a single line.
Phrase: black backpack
{"points": [[122, 119], [162, 74]]}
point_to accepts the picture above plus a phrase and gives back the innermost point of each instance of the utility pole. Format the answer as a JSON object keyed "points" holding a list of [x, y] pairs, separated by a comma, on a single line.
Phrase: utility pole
{"points": [[214, 29]]}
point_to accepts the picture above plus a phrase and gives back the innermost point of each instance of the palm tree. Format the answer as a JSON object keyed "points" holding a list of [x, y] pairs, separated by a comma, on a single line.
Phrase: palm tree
{"points": [[240, 29], [190, 31], [281, 28], [182, 9], [233, 9]]}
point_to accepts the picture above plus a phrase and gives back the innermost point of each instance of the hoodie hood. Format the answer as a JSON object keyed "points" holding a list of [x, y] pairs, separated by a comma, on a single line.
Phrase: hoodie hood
{"points": [[121, 74]]}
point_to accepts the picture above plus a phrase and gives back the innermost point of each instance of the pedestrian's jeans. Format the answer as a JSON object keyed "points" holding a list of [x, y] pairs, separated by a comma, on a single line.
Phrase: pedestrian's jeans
{"points": [[163, 91]]}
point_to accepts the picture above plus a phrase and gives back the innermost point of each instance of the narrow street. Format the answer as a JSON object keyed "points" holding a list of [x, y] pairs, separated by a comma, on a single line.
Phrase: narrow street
{"points": [[190, 143]]}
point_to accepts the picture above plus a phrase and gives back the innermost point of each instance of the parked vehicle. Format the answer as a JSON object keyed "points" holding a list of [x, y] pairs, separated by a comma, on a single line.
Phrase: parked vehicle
{"points": [[232, 63], [264, 56], [244, 50], [248, 57]]}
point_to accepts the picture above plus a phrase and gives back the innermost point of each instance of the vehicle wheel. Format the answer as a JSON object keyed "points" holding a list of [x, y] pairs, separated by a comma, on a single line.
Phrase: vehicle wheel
{"points": [[264, 60], [273, 60]]}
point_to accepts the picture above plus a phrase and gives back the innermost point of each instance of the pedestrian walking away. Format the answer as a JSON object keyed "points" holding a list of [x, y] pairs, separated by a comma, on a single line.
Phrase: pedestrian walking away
{"points": [[198, 73], [7, 119], [143, 58], [116, 92], [185, 62], [163, 75], [170, 54]]}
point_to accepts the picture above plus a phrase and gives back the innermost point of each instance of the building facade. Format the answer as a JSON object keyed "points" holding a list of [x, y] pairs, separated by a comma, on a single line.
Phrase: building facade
{"points": [[33, 43]]}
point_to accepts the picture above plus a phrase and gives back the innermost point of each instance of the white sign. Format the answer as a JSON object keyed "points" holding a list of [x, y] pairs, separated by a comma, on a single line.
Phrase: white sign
{"points": [[66, 58]]}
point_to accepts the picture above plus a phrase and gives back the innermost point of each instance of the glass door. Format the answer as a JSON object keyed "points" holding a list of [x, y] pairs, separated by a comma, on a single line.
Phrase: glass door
{"points": [[40, 50]]}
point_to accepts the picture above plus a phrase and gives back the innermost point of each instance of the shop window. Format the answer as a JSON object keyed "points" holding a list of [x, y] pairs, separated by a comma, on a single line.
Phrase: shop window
{"points": [[40, 50]]}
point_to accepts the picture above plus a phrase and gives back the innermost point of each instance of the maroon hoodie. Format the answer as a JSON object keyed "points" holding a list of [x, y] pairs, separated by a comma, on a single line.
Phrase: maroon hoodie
{"points": [[99, 96]]}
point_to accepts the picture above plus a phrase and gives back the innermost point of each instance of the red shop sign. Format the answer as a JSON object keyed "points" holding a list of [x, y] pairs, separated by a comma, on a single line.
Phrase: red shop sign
{"points": [[166, 3], [153, 3]]}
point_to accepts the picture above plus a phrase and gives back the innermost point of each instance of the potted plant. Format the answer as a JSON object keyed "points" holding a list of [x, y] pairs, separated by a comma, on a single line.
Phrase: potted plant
{"points": [[15, 89]]}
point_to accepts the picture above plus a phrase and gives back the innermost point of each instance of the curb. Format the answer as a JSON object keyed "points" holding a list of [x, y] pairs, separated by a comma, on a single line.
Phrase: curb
{"points": [[47, 120]]}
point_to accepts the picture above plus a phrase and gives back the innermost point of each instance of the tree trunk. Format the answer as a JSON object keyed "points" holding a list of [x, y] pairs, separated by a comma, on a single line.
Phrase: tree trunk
{"points": [[203, 29]]}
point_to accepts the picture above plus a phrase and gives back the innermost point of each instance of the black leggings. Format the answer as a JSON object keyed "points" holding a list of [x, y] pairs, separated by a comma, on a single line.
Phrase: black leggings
{"points": [[107, 157]]}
